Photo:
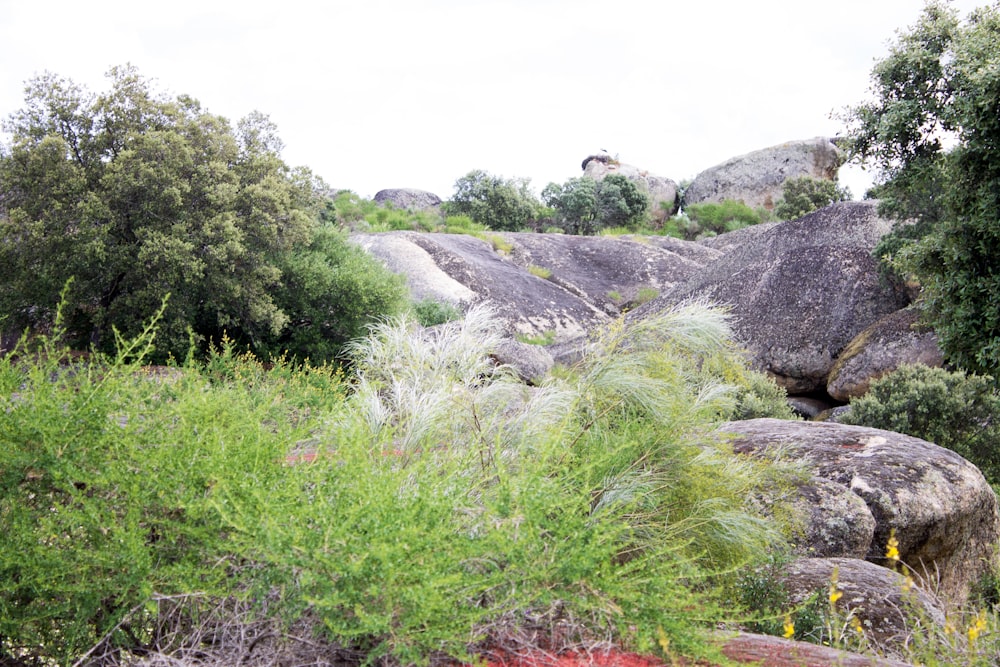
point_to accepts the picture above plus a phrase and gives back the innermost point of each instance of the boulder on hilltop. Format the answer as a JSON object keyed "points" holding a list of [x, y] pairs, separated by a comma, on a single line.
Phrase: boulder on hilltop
{"points": [[757, 179], [663, 192], [407, 198]]}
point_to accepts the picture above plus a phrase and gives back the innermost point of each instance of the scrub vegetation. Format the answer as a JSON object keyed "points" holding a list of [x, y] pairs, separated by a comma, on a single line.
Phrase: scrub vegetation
{"points": [[424, 505]]}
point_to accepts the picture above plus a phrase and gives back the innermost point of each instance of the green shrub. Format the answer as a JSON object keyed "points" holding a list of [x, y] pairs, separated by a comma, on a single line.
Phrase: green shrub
{"points": [[697, 221], [497, 203], [805, 194], [713, 218], [539, 271], [332, 290], [462, 224], [431, 312], [585, 206], [951, 409], [109, 490]]}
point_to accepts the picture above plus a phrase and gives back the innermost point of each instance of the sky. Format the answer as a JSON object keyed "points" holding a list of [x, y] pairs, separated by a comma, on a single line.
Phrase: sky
{"points": [[375, 94]]}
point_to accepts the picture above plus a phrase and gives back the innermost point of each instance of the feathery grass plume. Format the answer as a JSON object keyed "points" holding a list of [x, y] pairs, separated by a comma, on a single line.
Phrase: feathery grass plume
{"points": [[428, 388]]}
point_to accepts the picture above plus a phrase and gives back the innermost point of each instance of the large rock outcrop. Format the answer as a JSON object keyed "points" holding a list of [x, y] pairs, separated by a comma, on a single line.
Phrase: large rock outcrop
{"points": [[606, 271], [893, 341], [662, 191], [407, 198], [798, 291], [937, 505], [757, 179], [538, 283]]}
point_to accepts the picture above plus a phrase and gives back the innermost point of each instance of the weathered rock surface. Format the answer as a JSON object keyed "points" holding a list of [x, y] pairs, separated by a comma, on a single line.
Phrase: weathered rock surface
{"points": [[757, 179], [767, 651], [407, 198], [589, 277], [939, 506], [884, 602], [830, 520], [531, 362], [798, 291], [604, 271], [889, 343], [662, 191], [446, 266]]}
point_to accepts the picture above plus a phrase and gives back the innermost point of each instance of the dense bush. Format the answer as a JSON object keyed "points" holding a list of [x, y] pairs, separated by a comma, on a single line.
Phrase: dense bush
{"points": [[804, 195], [949, 408], [713, 218], [500, 204], [135, 196], [586, 206], [353, 212], [431, 312]]}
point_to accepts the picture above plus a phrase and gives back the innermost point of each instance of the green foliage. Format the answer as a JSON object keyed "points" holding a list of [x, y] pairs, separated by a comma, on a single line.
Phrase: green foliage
{"points": [[620, 202], [437, 507], [351, 211], [137, 196], [544, 338], [109, 487], [575, 204], [940, 83], [585, 206], [539, 271], [462, 224], [804, 195], [498, 203], [331, 290], [951, 409], [711, 218], [431, 312]]}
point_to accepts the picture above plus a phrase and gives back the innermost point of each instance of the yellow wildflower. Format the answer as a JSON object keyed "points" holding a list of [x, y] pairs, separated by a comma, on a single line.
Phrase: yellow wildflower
{"points": [[835, 593], [892, 547], [789, 627], [977, 626], [856, 624], [663, 640]]}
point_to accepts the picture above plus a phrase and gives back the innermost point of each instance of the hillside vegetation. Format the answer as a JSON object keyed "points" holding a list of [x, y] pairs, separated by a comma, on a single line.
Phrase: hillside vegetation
{"points": [[425, 505]]}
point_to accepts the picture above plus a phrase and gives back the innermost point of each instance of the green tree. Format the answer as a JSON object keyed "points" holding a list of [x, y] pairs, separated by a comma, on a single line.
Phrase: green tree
{"points": [[585, 206], [500, 204], [941, 81], [804, 195], [575, 203], [135, 196], [620, 202]]}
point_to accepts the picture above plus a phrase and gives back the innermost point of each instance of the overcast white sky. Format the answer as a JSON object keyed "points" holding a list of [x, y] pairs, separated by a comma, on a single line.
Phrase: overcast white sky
{"points": [[374, 94]]}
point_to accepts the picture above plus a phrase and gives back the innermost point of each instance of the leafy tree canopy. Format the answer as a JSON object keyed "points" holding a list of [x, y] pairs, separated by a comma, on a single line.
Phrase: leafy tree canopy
{"points": [[584, 206], [499, 203], [932, 130], [135, 196]]}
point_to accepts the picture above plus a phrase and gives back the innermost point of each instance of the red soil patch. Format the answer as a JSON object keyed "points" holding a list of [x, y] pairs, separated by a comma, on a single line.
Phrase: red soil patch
{"points": [[601, 658]]}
